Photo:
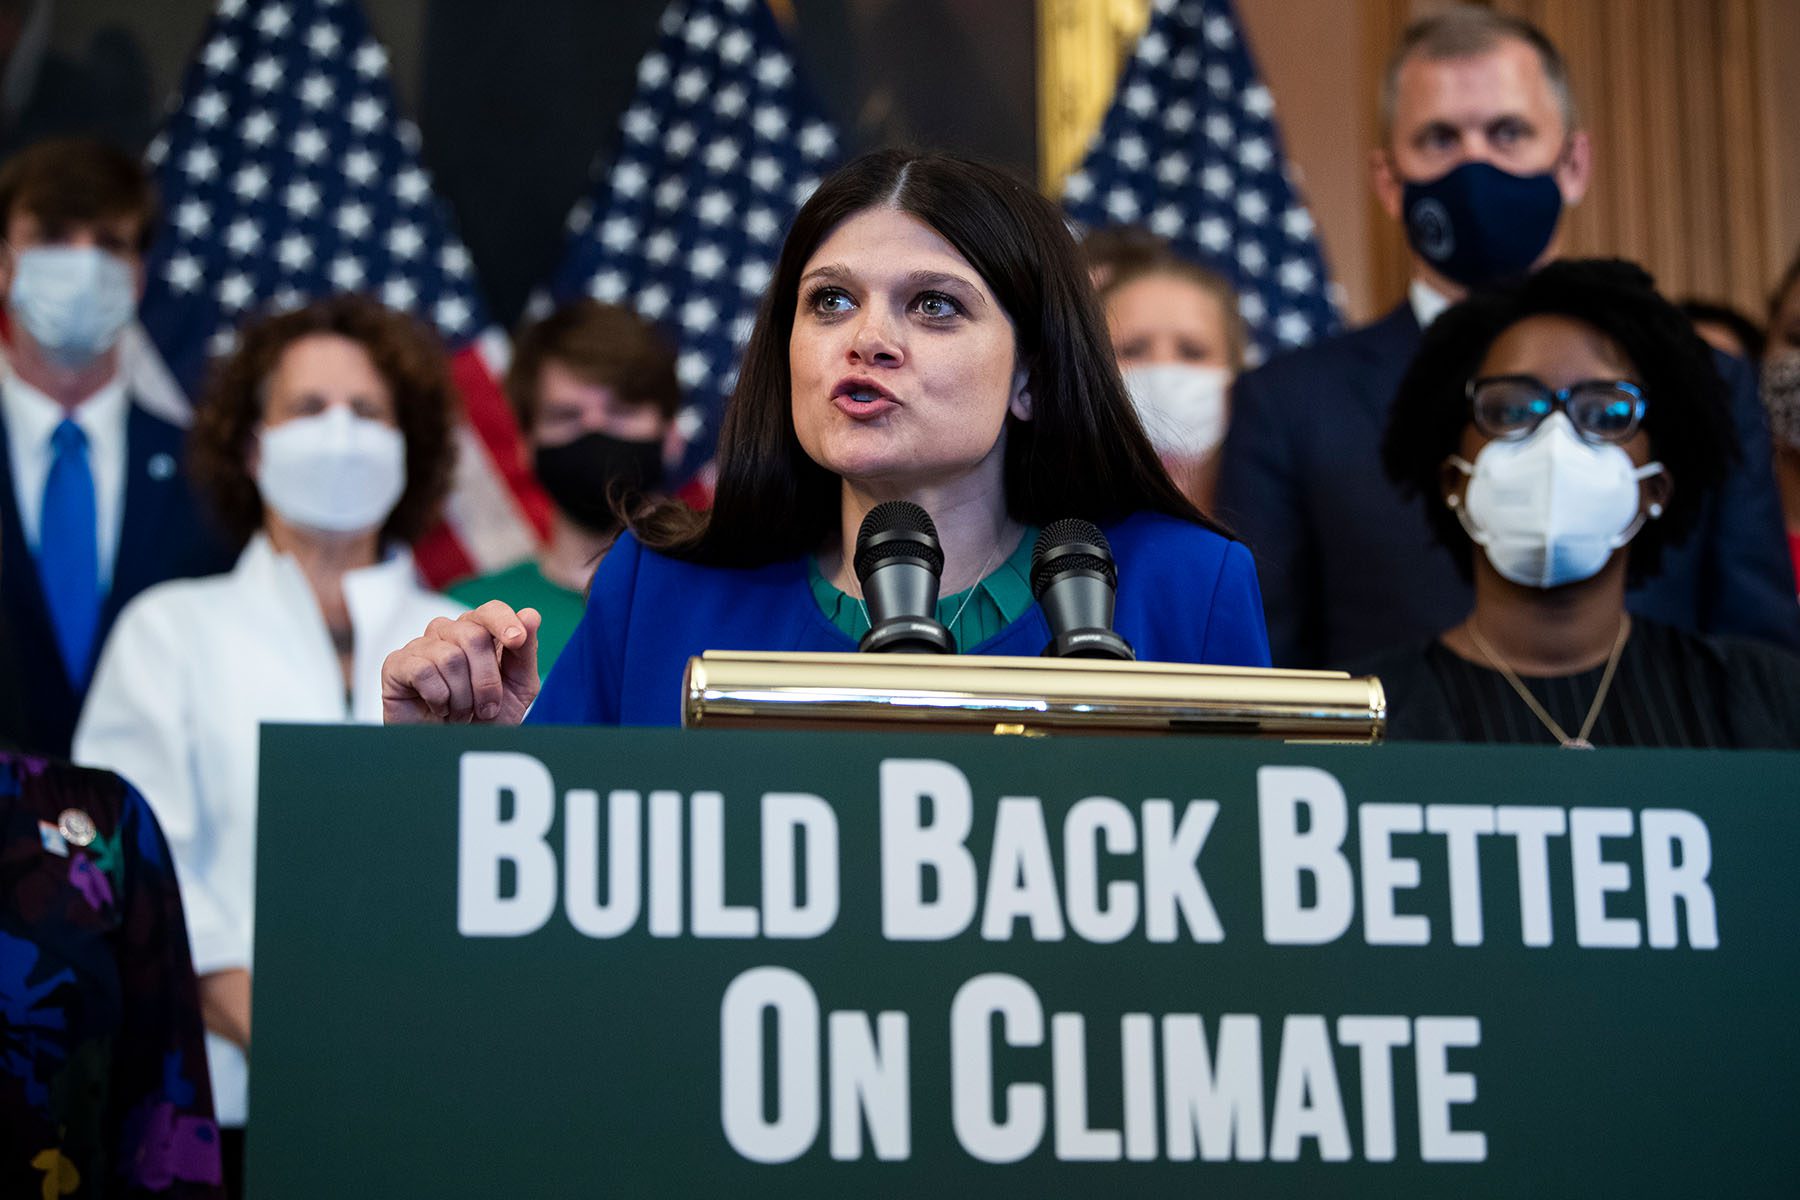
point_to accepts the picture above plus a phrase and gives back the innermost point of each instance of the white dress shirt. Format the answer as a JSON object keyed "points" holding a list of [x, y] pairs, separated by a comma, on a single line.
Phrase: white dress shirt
{"points": [[192, 669], [31, 419], [1428, 304]]}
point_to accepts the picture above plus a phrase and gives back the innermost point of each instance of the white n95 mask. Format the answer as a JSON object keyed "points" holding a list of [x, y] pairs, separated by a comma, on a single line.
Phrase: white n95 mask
{"points": [[1182, 406], [335, 471], [1550, 509], [73, 300]]}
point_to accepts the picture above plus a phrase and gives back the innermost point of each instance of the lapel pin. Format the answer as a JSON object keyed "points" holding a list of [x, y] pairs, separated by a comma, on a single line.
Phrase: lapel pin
{"points": [[161, 466], [76, 827]]}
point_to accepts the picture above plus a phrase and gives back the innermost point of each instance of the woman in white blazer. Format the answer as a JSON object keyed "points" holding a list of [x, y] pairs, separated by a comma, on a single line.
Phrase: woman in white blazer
{"points": [[324, 446]]}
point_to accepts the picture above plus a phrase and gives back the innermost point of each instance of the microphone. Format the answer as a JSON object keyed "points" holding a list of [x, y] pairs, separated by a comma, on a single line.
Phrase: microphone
{"points": [[1074, 578], [898, 563]]}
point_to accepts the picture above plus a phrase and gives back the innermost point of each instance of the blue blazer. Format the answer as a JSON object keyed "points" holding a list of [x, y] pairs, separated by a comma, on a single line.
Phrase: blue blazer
{"points": [[161, 536], [1185, 595], [1349, 566]]}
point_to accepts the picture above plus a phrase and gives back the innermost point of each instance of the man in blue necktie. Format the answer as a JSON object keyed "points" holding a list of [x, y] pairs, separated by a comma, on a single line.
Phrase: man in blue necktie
{"points": [[95, 507]]}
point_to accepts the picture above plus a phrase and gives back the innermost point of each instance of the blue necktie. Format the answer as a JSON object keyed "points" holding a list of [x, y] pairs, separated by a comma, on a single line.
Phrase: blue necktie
{"points": [[68, 550]]}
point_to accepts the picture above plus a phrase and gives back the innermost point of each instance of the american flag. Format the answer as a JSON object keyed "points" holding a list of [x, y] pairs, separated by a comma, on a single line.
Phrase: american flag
{"points": [[287, 174], [720, 146], [1189, 150]]}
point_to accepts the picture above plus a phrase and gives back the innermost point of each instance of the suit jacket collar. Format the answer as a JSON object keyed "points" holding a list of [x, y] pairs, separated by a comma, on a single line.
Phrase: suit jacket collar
{"points": [[29, 616], [153, 483], [1395, 333], [1385, 348], [15, 551]]}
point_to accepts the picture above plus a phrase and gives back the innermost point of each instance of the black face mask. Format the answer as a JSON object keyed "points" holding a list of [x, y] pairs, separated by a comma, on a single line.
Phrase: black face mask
{"points": [[587, 476]]}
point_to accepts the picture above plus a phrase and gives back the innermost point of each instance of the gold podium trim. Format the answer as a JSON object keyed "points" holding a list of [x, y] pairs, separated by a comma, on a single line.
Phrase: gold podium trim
{"points": [[1030, 696]]}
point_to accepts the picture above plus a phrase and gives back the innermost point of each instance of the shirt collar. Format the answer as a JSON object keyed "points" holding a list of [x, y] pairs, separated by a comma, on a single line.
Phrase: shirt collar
{"points": [[371, 593], [32, 417], [1428, 304]]}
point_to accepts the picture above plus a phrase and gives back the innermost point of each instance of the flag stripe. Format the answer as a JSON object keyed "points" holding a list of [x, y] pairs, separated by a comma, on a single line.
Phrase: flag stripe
{"points": [[499, 443]]}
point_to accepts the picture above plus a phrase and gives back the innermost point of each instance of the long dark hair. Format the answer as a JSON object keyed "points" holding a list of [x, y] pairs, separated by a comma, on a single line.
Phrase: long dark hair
{"points": [[1082, 454]]}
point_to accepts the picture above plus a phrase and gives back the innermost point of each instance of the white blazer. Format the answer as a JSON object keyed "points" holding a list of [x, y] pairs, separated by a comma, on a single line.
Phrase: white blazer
{"points": [[191, 670]]}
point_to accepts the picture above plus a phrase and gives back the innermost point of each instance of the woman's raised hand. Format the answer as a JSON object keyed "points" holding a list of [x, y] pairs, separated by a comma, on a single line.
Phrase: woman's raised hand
{"points": [[480, 668]]}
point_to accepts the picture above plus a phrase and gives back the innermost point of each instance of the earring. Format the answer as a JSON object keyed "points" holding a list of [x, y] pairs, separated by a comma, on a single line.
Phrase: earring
{"points": [[1656, 510]]}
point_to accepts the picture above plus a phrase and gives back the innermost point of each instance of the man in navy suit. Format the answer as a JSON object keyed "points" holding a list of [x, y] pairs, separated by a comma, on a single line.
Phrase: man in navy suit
{"points": [[94, 506], [1481, 151]]}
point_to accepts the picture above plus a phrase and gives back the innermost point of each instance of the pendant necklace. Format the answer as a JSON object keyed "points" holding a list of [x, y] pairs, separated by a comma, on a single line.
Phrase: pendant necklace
{"points": [[1579, 741]]}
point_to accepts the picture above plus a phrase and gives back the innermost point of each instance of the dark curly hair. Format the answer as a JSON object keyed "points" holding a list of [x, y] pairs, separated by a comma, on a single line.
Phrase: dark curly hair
{"points": [[409, 358], [1687, 409]]}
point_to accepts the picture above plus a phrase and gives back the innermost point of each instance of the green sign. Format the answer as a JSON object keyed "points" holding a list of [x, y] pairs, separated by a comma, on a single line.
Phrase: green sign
{"points": [[569, 962]]}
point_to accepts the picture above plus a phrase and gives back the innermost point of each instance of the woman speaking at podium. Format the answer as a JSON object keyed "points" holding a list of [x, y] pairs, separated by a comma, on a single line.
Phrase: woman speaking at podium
{"points": [[929, 336]]}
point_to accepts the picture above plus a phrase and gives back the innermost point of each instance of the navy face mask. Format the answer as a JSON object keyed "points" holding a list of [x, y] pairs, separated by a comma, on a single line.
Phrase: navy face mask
{"points": [[1479, 225]]}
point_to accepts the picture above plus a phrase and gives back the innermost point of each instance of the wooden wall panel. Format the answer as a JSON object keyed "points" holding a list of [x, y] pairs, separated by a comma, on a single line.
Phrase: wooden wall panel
{"points": [[1743, 148], [1778, 100], [1390, 265], [1662, 128]]}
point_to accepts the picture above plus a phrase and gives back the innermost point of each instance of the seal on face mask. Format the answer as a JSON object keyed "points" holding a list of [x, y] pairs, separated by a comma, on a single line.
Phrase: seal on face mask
{"points": [[1478, 224]]}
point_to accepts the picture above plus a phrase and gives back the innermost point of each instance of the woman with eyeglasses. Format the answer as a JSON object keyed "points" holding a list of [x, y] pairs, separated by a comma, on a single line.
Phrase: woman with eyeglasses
{"points": [[1560, 435]]}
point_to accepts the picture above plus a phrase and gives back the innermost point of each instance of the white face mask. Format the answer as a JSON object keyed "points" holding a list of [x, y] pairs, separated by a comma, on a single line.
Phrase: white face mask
{"points": [[1182, 406], [335, 471], [1550, 509], [73, 300]]}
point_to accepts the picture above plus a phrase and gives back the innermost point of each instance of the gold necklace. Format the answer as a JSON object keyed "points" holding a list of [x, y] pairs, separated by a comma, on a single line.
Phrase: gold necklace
{"points": [[1580, 740]]}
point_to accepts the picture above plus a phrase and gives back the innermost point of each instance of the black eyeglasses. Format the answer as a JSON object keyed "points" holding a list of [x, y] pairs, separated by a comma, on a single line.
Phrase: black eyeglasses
{"points": [[1512, 406]]}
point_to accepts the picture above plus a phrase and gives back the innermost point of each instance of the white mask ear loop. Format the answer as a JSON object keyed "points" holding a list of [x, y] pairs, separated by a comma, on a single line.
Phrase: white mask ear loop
{"points": [[1649, 513], [1454, 503]]}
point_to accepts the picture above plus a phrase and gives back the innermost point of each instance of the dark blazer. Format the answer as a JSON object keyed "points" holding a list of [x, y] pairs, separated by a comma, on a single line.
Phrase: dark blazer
{"points": [[1349, 566], [161, 536]]}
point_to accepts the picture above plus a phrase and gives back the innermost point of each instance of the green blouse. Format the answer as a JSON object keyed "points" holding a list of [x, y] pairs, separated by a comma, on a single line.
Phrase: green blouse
{"points": [[972, 616]]}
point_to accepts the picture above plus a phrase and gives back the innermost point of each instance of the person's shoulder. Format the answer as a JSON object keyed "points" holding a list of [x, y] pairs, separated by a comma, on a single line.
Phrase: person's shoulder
{"points": [[1156, 532], [477, 590], [1756, 684], [178, 599], [152, 431], [1335, 355], [1407, 660], [1167, 546], [629, 558], [1418, 709], [59, 790], [1737, 656]]}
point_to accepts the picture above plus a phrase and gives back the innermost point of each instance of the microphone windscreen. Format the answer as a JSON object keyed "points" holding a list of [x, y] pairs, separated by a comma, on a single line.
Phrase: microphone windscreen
{"points": [[896, 529], [1070, 545]]}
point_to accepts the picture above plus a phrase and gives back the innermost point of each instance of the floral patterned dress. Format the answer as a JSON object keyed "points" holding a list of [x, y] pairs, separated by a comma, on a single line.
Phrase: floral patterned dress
{"points": [[103, 1086]]}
